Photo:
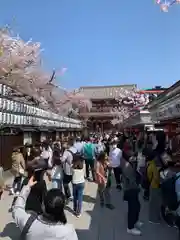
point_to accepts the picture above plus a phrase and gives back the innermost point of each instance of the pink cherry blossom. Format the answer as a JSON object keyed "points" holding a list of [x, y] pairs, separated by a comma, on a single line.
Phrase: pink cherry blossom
{"points": [[21, 69]]}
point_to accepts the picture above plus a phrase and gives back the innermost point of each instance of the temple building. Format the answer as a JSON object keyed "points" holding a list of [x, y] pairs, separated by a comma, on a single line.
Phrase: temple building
{"points": [[104, 101]]}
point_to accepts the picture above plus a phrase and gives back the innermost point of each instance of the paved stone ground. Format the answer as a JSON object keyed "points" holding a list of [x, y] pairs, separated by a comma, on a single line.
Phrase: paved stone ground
{"points": [[95, 223]]}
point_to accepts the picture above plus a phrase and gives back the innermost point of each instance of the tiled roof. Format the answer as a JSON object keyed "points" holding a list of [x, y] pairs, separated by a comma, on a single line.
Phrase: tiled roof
{"points": [[104, 92], [170, 92]]}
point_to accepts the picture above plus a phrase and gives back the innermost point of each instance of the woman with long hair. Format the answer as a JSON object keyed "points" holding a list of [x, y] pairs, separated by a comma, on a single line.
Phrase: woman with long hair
{"points": [[103, 174]]}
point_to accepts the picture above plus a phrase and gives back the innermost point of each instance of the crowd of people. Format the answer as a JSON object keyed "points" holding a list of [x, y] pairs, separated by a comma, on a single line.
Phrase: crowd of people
{"points": [[138, 164]]}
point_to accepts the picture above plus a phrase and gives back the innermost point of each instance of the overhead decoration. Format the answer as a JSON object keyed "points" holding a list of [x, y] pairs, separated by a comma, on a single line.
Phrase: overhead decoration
{"points": [[166, 4]]}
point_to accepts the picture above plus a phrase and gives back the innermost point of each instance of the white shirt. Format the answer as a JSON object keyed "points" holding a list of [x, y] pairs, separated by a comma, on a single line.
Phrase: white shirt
{"points": [[79, 146], [67, 159], [115, 156], [78, 176]]}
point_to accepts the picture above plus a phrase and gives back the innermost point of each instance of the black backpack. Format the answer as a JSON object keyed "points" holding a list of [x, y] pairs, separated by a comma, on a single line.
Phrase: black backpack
{"points": [[169, 193]]}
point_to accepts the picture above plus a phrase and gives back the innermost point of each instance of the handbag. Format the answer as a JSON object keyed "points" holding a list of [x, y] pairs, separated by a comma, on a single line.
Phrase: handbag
{"points": [[27, 226]]}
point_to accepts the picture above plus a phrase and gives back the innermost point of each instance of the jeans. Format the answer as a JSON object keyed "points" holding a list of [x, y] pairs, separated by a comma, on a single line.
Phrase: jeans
{"points": [[66, 180], [134, 206], [104, 194], [117, 175], [90, 164], [78, 197], [57, 183]]}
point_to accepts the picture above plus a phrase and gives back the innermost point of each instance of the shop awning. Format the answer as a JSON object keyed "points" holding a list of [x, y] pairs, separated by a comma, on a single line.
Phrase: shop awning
{"points": [[27, 129]]}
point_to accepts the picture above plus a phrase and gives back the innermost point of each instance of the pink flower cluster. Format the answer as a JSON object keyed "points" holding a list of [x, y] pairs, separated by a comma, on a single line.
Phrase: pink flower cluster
{"points": [[129, 102]]}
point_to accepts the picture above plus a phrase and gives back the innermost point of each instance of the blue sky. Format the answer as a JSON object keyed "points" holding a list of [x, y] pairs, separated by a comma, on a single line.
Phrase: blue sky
{"points": [[101, 42]]}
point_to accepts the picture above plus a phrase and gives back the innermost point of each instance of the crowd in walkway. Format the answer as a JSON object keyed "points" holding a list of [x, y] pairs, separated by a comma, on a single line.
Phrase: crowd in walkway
{"points": [[139, 164]]}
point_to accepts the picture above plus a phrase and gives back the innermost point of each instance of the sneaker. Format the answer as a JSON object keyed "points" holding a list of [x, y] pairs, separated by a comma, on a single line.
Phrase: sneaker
{"points": [[139, 224], [134, 231], [17, 193], [110, 206], [78, 215]]}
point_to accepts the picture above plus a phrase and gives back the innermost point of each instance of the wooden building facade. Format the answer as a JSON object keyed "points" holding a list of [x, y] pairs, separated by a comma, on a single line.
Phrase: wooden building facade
{"points": [[21, 123], [103, 102]]}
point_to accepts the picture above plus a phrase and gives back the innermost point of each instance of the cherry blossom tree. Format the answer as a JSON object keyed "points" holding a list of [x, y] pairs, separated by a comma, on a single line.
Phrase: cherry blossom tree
{"points": [[21, 70], [19, 64], [129, 101], [80, 101]]}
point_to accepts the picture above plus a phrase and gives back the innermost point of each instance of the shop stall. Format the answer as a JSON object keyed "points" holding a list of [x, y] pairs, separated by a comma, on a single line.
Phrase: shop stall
{"points": [[165, 111]]}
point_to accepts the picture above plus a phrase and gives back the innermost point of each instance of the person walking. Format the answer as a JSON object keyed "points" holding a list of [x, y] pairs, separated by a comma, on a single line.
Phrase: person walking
{"points": [[103, 175], [131, 195], [18, 170], [78, 182], [89, 154], [67, 161], [155, 191], [115, 156]]}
